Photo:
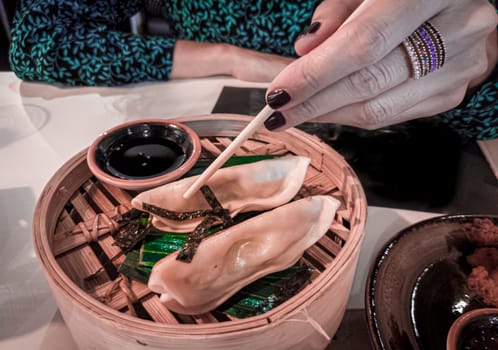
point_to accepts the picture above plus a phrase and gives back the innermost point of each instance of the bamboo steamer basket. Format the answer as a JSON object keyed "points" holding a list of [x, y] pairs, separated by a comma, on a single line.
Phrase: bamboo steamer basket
{"points": [[71, 232]]}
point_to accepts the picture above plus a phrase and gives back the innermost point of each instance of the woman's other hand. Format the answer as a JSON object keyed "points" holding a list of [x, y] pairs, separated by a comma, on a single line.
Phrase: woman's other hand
{"points": [[195, 59], [354, 70]]}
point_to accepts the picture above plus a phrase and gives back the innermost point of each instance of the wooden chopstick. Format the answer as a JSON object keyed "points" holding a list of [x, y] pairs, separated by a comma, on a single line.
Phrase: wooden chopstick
{"points": [[247, 132]]}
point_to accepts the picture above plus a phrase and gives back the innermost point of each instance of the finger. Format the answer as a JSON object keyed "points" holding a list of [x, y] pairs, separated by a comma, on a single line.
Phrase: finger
{"points": [[328, 16], [426, 108], [370, 33], [430, 107], [403, 102], [362, 85]]}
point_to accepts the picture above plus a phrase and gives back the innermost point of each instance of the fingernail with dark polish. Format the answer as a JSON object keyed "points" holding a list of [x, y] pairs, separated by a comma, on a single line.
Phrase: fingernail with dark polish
{"points": [[275, 121], [277, 98], [312, 28]]}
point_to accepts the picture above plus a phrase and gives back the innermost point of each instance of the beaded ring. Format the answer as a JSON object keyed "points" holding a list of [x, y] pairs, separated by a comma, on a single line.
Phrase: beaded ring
{"points": [[426, 50]]}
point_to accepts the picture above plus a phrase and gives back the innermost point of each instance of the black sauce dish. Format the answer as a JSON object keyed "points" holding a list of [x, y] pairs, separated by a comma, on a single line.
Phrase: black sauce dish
{"points": [[143, 154], [474, 330]]}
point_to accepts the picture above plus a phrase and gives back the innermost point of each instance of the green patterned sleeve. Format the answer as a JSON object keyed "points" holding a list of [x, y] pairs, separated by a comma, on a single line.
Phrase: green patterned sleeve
{"points": [[477, 116], [76, 42]]}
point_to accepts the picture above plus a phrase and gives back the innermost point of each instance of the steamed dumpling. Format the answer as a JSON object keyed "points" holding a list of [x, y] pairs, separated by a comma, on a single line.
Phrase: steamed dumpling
{"points": [[231, 259], [249, 187]]}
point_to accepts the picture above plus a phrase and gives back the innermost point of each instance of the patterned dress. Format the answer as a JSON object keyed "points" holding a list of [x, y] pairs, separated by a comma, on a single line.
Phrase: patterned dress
{"points": [[79, 42]]}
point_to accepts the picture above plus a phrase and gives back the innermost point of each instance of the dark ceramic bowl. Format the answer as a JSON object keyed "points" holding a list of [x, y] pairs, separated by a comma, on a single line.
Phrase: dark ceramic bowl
{"points": [[417, 285], [474, 330], [143, 154]]}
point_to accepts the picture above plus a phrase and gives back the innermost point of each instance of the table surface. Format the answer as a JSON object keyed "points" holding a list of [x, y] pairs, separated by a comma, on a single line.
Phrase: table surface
{"points": [[42, 126]]}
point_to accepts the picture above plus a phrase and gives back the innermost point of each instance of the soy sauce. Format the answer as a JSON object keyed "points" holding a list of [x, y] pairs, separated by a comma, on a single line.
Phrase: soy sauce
{"points": [[480, 338], [144, 158]]}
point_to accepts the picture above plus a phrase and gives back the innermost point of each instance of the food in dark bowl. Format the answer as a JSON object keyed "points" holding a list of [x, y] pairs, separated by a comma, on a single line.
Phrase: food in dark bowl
{"points": [[420, 283]]}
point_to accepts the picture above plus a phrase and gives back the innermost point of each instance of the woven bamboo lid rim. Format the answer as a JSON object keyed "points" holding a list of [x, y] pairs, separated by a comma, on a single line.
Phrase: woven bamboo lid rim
{"points": [[292, 307]]}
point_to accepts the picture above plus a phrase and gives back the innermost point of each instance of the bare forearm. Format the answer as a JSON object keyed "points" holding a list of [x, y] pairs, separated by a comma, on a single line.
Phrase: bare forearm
{"points": [[196, 59]]}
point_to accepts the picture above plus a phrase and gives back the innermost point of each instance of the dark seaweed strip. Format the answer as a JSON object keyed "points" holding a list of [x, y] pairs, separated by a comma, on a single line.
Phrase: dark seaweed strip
{"points": [[130, 234], [173, 215], [218, 210], [194, 239], [133, 227], [189, 248], [131, 214], [241, 217]]}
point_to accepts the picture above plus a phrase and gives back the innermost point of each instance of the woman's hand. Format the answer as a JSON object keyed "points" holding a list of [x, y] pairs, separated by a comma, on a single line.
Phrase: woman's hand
{"points": [[355, 72], [195, 59]]}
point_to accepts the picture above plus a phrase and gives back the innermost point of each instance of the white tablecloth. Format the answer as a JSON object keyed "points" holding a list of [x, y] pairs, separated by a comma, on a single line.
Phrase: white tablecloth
{"points": [[41, 127]]}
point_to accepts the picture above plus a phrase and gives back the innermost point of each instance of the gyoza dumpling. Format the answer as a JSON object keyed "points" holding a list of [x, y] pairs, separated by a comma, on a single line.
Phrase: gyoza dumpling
{"points": [[231, 259], [249, 187]]}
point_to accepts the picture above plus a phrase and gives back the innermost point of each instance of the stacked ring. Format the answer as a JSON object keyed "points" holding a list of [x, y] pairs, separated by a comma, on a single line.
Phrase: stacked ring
{"points": [[426, 50]]}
